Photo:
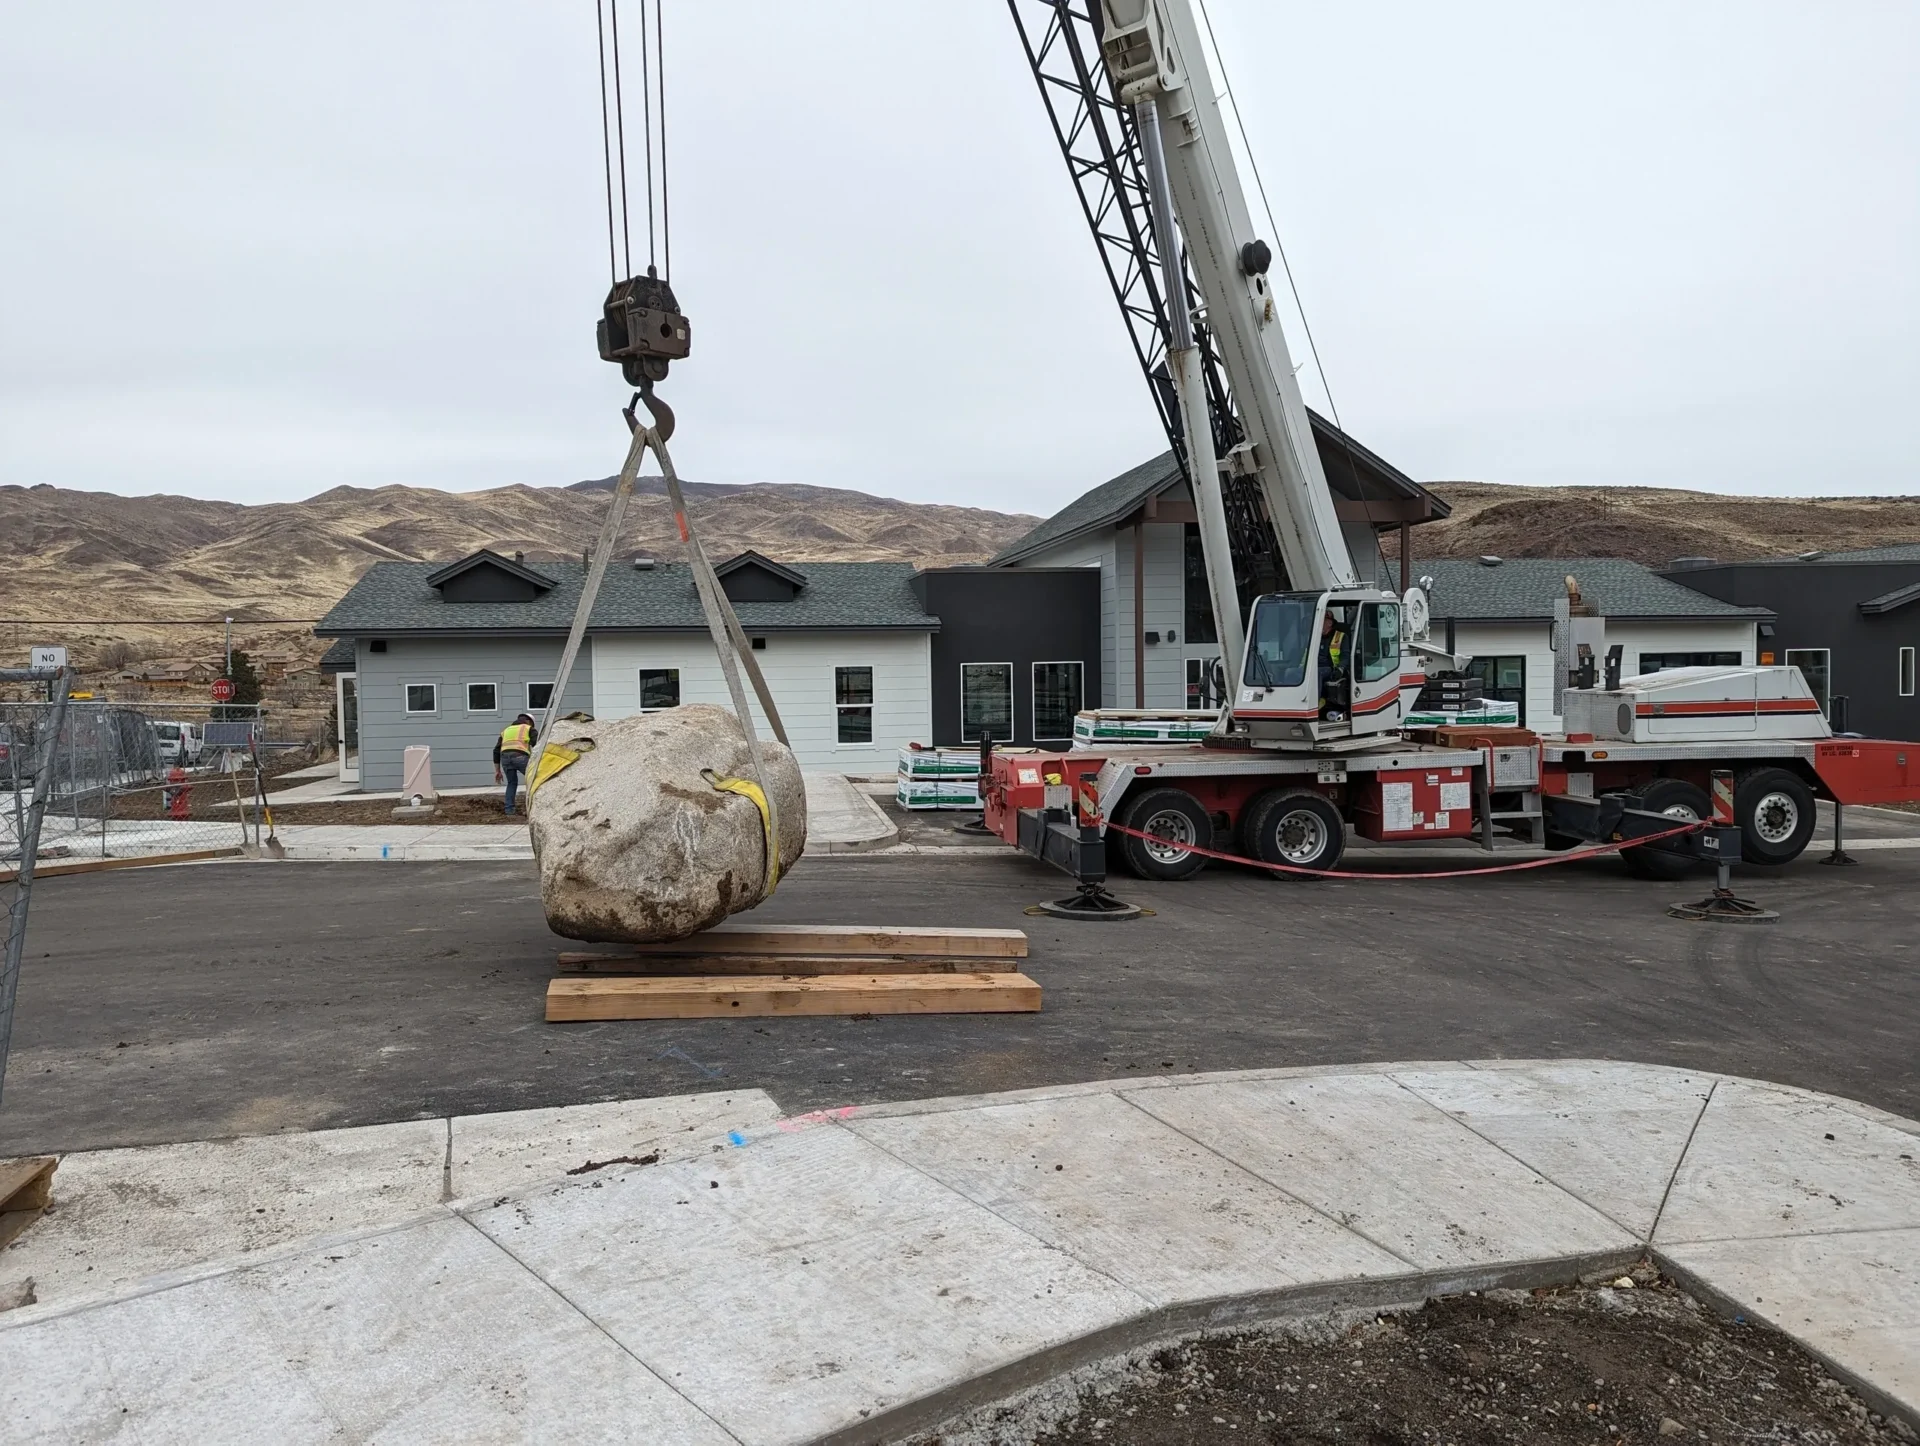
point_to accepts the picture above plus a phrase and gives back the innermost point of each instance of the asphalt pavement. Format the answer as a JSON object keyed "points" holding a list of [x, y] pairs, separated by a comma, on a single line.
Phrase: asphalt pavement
{"points": [[244, 998]]}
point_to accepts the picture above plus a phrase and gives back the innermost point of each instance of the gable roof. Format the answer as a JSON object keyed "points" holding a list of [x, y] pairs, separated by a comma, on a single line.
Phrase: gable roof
{"points": [[487, 557], [339, 657], [1896, 552], [1888, 601], [1353, 472], [750, 558], [396, 597], [1525, 589]]}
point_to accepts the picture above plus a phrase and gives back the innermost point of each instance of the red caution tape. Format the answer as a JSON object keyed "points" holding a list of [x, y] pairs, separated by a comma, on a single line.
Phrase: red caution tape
{"points": [[1571, 856]]}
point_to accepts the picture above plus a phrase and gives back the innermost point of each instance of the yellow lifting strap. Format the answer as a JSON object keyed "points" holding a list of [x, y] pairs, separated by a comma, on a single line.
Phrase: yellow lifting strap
{"points": [[747, 788], [552, 759]]}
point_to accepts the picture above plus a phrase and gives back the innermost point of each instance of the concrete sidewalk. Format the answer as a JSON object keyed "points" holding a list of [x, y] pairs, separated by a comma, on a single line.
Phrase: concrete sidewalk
{"points": [[840, 819], [855, 1274]]}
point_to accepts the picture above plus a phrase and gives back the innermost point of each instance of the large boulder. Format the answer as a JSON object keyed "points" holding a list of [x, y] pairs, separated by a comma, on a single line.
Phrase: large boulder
{"points": [[634, 844]]}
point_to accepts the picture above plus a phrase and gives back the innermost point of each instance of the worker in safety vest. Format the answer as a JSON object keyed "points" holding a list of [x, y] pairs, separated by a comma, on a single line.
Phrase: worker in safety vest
{"points": [[510, 754], [1333, 654]]}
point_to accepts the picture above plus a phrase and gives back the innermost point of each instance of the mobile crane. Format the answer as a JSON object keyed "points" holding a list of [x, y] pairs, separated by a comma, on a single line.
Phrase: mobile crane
{"points": [[1302, 753]]}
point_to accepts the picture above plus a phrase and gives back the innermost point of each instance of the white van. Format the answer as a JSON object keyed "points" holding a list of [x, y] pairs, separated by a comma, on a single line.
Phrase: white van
{"points": [[180, 743]]}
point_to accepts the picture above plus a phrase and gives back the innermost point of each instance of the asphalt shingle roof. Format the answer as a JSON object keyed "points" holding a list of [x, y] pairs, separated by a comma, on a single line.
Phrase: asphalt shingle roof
{"points": [[1351, 471], [1528, 587], [1898, 552], [393, 597]]}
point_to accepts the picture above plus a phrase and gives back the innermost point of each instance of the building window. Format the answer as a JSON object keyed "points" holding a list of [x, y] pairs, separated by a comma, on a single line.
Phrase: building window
{"points": [[1660, 662], [853, 702], [1815, 665], [539, 697], [1057, 696], [986, 702], [1504, 679], [1199, 601], [659, 688], [483, 697], [423, 698], [1906, 672]]}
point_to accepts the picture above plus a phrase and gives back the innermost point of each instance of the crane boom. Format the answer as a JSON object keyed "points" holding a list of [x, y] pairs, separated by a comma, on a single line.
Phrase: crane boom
{"points": [[1153, 53]]}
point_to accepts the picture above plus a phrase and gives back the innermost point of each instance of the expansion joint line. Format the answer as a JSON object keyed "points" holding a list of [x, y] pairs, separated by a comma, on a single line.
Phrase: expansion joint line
{"points": [[588, 1317], [1653, 1231]]}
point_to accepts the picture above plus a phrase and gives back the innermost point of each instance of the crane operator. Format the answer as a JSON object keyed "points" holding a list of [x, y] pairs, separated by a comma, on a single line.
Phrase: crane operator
{"points": [[1332, 660]]}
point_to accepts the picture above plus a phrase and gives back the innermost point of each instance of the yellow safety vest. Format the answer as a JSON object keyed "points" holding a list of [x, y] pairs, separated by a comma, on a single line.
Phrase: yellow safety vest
{"points": [[516, 738], [1336, 645]]}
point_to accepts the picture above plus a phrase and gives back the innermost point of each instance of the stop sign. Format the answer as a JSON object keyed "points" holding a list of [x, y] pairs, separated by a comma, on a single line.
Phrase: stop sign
{"points": [[223, 690]]}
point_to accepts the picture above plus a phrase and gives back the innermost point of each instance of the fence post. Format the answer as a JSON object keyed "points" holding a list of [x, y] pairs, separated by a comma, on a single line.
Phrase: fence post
{"points": [[45, 776]]}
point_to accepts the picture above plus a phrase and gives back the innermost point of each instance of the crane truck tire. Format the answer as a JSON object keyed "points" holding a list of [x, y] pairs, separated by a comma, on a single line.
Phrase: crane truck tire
{"points": [[635, 840], [1776, 814], [1679, 800], [1296, 827], [1177, 822]]}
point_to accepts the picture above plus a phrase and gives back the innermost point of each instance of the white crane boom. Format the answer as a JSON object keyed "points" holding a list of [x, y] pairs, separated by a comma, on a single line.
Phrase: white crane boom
{"points": [[1152, 49]]}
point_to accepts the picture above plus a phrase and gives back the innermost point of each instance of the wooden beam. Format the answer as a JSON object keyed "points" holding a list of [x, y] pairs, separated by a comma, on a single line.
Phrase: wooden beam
{"points": [[1383, 512], [571, 1000], [696, 964], [775, 939], [94, 866]]}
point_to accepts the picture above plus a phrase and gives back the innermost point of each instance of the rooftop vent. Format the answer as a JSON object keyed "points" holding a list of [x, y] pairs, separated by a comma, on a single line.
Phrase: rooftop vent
{"points": [[1810, 556], [643, 564], [1681, 564], [520, 557], [1487, 559]]}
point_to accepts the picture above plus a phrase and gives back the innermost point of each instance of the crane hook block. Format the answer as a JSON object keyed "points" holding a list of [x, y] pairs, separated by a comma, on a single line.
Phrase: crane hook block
{"points": [[642, 328]]}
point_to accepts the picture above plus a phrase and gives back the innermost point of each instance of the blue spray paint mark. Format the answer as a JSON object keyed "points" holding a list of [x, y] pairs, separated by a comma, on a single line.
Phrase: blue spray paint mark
{"points": [[734, 1137], [383, 850]]}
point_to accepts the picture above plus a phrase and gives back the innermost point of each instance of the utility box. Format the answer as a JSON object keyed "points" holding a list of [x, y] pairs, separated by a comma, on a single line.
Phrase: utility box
{"points": [[416, 774], [1413, 803]]}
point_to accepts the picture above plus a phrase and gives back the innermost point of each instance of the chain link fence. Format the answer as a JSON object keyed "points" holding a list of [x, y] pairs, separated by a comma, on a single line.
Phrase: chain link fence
{"points": [[126, 784]]}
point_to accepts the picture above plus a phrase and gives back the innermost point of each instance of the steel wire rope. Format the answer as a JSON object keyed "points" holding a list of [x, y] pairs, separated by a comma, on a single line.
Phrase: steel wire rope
{"points": [[1306, 327], [660, 68], [606, 141], [620, 127], [646, 115]]}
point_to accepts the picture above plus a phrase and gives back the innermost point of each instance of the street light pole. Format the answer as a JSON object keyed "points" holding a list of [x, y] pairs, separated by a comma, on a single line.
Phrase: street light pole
{"points": [[229, 671]]}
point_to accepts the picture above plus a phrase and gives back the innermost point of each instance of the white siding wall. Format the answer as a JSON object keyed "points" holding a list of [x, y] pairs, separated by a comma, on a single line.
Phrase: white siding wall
{"points": [[799, 670], [1111, 550], [1535, 642]]}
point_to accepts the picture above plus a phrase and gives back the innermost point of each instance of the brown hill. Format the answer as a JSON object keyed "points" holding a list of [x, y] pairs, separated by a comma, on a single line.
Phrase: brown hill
{"points": [[75, 556], [1656, 525]]}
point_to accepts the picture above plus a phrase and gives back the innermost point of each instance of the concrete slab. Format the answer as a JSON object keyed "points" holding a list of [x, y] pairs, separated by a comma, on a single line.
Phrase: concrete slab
{"points": [[803, 1282], [1767, 1161], [1611, 1134], [120, 1216], [1130, 1197], [1854, 1298], [501, 1153], [423, 1334], [1388, 1165], [842, 819]]}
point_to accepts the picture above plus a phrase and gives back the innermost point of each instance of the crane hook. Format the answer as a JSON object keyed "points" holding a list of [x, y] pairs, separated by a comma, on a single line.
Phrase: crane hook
{"points": [[662, 413]]}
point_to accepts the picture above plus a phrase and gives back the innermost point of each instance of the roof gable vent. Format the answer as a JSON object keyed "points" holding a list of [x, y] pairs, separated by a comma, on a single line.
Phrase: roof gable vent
{"points": [[486, 576], [749, 577]]}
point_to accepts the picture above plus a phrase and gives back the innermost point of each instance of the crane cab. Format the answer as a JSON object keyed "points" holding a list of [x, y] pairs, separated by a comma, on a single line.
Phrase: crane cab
{"points": [[1322, 669]]}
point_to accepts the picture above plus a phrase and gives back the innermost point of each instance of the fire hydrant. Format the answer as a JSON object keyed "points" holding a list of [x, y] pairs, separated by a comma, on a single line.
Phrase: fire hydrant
{"points": [[173, 798]]}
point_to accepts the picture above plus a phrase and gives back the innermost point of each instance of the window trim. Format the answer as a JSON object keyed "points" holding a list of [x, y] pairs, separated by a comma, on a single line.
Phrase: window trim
{"points": [[467, 689], [1012, 712], [538, 683], [1033, 710], [406, 700], [640, 690], [872, 705], [1904, 672]]}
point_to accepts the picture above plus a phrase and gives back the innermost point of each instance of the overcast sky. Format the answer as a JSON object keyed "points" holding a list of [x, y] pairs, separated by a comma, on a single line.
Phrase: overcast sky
{"points": [[256, 251]]}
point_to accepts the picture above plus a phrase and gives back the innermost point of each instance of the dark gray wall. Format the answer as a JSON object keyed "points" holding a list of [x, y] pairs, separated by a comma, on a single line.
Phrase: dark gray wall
{"points": [[462, 742], [1021, 616], [1818, 604]]}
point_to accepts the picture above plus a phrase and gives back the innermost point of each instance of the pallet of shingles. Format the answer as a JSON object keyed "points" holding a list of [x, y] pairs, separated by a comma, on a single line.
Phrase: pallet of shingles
{"points": [[799, 969]]}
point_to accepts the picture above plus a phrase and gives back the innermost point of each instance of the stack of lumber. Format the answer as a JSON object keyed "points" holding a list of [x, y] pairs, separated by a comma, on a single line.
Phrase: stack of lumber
{"points": [[799, 969], [26, 1189]]}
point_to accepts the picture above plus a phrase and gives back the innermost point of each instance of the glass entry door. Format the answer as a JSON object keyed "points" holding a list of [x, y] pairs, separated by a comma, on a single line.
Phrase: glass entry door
{"points": [[347, 712]]}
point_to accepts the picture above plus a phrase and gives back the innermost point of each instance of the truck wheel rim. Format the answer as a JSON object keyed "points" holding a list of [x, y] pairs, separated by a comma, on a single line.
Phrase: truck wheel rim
{"points": [[1171, 836], [1301, 837], [1776, 817]]}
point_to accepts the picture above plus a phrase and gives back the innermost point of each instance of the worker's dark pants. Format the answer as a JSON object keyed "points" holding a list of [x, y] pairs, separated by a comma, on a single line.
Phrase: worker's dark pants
{"points": [[513, 765]]}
